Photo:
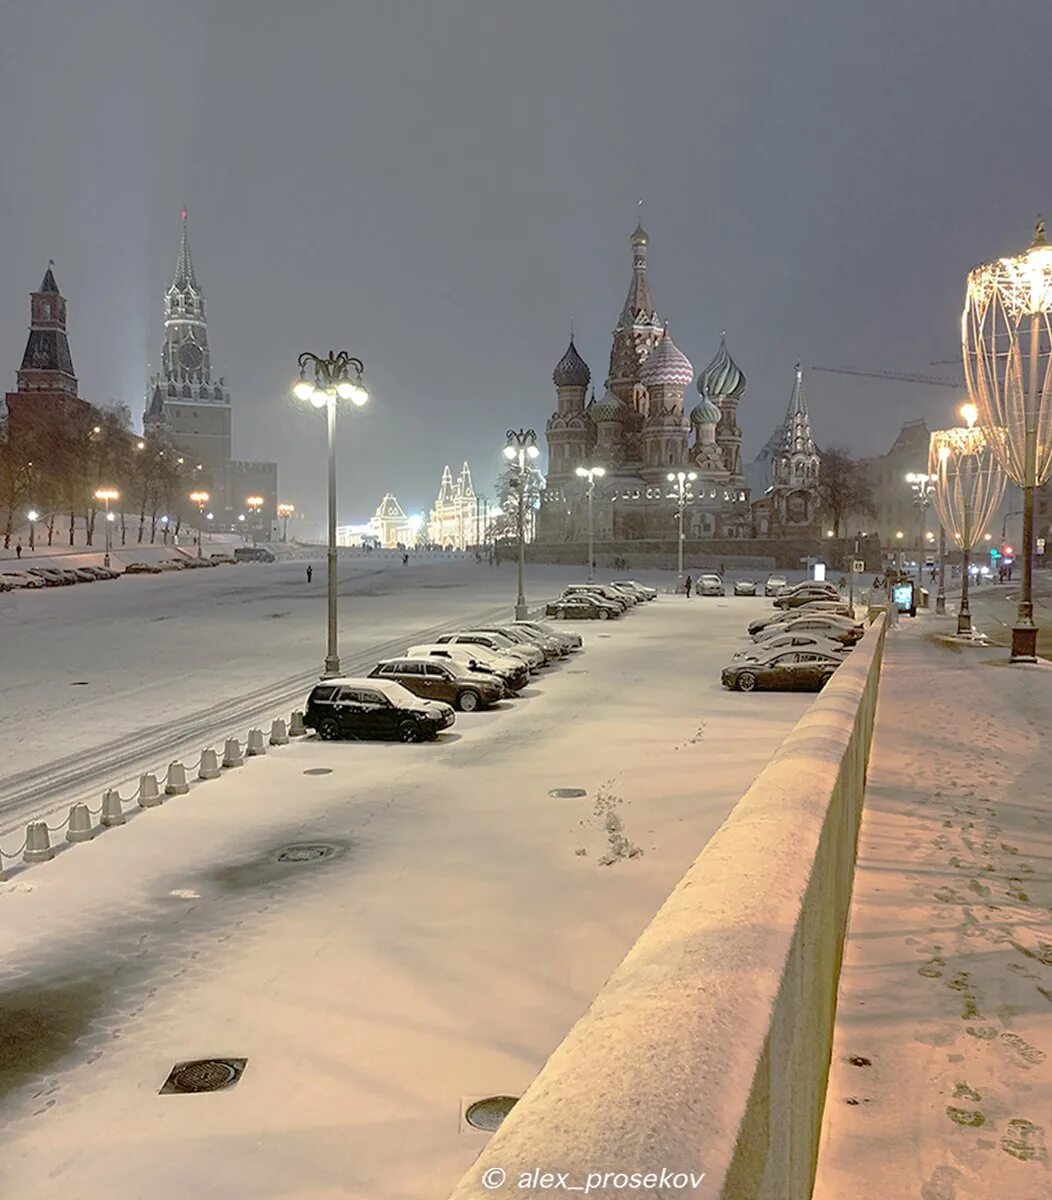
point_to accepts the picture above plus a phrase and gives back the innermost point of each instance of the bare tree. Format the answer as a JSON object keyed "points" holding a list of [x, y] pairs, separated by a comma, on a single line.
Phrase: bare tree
{"points": [[843, 488]]}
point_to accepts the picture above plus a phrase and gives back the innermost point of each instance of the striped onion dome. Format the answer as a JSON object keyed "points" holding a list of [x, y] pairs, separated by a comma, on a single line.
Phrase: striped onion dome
{"points": [[571, 370], [666, 365], [723, 376]]}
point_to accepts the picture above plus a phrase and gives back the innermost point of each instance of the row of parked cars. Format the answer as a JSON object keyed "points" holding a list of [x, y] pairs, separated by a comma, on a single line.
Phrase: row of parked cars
{"points": [[415, 696], [599, 601], [39, 577], [799, 645]]}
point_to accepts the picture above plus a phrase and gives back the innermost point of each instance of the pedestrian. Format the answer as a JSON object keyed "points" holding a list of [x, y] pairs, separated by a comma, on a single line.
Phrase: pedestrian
{"points": [[876, 583], [18, 550], [688, 585], [310, 572], [723, 569], [405, 559]]}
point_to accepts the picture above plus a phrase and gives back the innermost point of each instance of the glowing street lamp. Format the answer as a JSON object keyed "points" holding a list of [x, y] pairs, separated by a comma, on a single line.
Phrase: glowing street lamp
{"points": [[200, 499], [284, 512], [32, 516], [106, 494], [1006, 342], [681, 493], [969, 485], [521, 445], [337, 377], [923, 486], [254, 504], [591, 474]]}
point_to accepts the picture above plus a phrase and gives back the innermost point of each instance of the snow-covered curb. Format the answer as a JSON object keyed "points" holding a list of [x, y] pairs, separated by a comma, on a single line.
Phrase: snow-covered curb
{"points": [[708, 1048]]}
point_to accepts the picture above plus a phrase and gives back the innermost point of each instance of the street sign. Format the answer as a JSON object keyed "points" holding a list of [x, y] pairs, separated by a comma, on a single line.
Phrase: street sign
{"points": [[858, 566]]}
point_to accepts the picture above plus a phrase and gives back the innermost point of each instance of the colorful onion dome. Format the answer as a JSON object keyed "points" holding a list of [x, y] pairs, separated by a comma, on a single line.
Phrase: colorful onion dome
{"points": [[571, 370], [666, 365], [705, 413], [723, 376], [609, 408]]}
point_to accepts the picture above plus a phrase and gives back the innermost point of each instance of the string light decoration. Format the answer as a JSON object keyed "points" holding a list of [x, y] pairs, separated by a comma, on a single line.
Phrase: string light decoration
{"points": [[969, 484], [1006, 343]]}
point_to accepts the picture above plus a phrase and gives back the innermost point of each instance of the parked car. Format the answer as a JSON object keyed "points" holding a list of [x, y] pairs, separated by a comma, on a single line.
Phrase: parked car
{"points": [[548, 646], [141, 568], [530, 655], [219, 560], [102, 572], [745, 587], [84, 575], [6, 585], [709, 585], [791, 671], [22, 579], [572, 641], [641, 589], [611, 595], [253, 554], [775, 584], [373, 708], [172, 564], [841, 629], [511, 672], [789, 639], [804, 596], [581, 607], [449, 682], [195, 564]]}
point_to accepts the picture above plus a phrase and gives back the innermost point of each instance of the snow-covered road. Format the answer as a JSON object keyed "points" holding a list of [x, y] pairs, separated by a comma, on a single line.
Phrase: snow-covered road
{"points": [[100, 682], [461, 924]]}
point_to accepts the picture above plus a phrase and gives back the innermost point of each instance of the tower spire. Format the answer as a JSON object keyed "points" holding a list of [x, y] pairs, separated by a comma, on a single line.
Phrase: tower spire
{"points": [[184, 270]]}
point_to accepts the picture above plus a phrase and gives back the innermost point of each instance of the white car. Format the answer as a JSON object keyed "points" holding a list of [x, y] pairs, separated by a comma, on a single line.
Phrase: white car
{"points": [[572, 641], [710, 585], [775, 584], [641, 589], [611, 595], [790, 640], [532, 656], [512, 671], [19, 579], [829, 625]]}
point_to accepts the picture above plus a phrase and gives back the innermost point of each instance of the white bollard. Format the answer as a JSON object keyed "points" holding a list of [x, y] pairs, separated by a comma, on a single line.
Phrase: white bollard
{"points": [[279, 734], [80, 829], [232, 753], [256, 745], [149, 791], [112, 809], [209, 768], [297, 729], [175, 784], [38, 844]]}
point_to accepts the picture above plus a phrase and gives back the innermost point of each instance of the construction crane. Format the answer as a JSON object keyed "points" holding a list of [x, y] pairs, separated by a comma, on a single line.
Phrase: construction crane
{"points": [[933, 380]]}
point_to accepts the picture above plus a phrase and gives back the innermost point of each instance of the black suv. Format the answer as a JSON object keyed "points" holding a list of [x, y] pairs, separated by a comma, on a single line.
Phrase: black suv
{"points": [[373, 708]]}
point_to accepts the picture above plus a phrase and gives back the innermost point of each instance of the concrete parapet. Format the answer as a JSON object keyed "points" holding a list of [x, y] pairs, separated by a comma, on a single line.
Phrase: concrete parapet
{"points": [[707, 1051]]}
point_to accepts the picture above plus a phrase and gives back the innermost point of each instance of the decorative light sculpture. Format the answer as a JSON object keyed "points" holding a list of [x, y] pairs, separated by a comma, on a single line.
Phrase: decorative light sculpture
{"points": [[969, 485], [1006, 341]]}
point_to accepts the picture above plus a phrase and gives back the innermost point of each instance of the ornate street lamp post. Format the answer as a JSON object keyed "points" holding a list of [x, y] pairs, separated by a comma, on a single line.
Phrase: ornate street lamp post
{"points": [[923, 486], [681, 493], [337, 377], [521, 445], [254, 505], [1006, 339], [200, 499], [968, 488], [106, 494], [591, 474], [284, 512]]}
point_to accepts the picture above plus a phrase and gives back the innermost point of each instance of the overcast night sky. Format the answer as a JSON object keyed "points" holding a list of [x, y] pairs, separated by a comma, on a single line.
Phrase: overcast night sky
{"points": [[440, 187]]}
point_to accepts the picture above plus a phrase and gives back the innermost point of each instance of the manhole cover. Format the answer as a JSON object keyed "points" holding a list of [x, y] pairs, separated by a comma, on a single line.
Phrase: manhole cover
{"points": [[306, 852], [203, 1075], [80, 683], [318, 771], [577, 671], [567, 793], [488, 1114]]}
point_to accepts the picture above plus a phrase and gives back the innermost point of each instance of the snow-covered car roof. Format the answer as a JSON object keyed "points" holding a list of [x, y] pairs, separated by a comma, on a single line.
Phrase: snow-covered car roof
{"points": [[394, 692]]}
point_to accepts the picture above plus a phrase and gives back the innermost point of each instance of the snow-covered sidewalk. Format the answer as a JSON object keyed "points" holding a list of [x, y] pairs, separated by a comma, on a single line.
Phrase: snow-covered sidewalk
{"points": [[941, 1082]]}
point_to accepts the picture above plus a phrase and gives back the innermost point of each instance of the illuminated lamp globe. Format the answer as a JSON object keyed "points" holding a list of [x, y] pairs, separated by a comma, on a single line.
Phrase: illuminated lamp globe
{"points": [[533, 452], [303, 389], [509, 452]]}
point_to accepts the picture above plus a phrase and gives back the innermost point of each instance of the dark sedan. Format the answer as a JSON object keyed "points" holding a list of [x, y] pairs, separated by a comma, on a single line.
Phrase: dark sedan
{"points": [[581, 608], [795, 671]]}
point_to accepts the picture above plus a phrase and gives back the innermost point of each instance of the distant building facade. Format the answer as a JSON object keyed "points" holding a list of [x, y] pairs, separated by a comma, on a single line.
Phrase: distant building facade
{"points": [[639, 431], [189, 407], [454, 519], [897, 520], [785, 474], [392, 525]]}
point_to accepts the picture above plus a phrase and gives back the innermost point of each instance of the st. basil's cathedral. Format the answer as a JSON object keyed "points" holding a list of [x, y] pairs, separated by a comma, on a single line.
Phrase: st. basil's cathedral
{"points": [[640, 432]]}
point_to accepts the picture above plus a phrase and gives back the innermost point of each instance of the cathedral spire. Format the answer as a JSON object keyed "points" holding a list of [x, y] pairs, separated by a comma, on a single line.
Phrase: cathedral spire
{"points": [[798, 439], [184, 271]]}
